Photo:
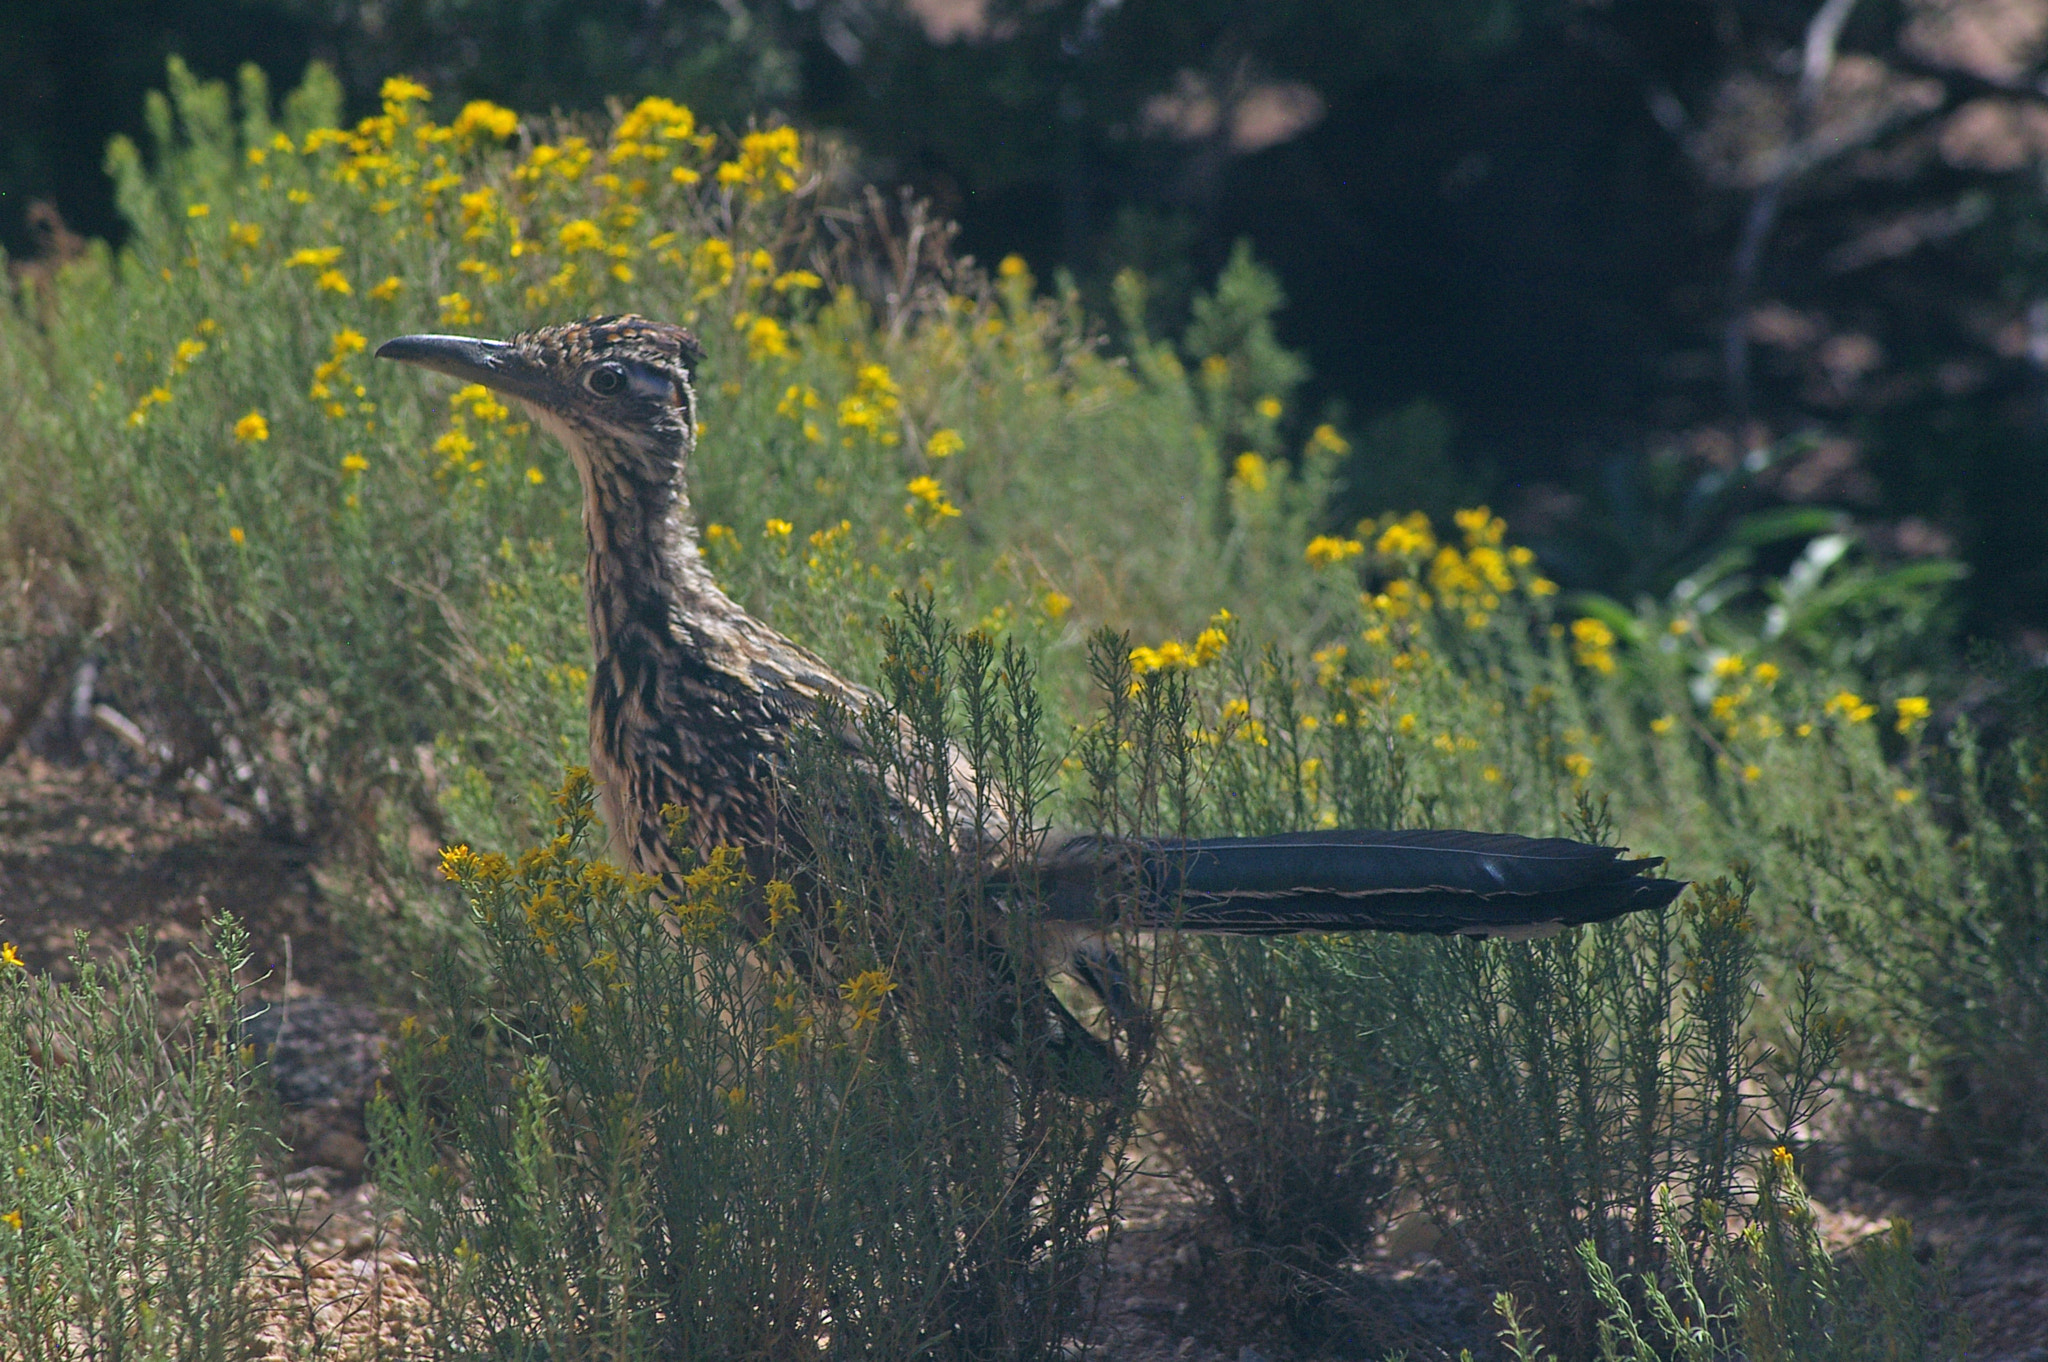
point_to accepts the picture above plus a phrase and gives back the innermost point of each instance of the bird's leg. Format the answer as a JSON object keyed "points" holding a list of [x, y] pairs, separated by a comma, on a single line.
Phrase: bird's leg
{"points": [[1098, 969], [1097, 966]]}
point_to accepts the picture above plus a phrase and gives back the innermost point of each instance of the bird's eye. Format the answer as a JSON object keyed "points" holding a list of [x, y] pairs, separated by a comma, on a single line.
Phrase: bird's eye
{"points": [[606, 380]]}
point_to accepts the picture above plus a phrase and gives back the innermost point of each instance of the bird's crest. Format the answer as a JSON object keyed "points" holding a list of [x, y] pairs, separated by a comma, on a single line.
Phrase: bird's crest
{"points": [[623, 337]]}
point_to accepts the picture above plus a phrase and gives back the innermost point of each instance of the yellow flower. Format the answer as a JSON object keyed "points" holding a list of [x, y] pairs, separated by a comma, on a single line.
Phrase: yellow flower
{"points": [[764, 157], [154, 397], [400, 90], [456, 309], [1850, 706], [1543, 586], [1913, 711], [1483, 529], [334, 281], [348, 341], [1171, 653], [1592, 633], [353, 463], [1328, 550], [1731, 665], [1055, 604], [580, 234], [1250, 472], [1903, 796], [1752, 772], [1579, 764], [1326, 439], [797, 279], [1013, 267], [684, 175], [1662, 724], [1209, 645], [13, 1218], [944, 444], [766, 339], [1767, 673], [865, 992], [1269, 408], [244, 233], [236, 536], [197, 210], [481, 118], [535, 476], [387, 290], [482, 404], [778, 529], [9, 956], [655, 116], [712, 262], [313, 257], [1409, 537], [1591, 640], [927, 489], [187, 351], [252, 429], [875, 383]]}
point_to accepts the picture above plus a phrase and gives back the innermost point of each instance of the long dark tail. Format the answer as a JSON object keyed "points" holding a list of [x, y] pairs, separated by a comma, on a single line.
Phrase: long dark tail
{"points": [[1477, 883]]}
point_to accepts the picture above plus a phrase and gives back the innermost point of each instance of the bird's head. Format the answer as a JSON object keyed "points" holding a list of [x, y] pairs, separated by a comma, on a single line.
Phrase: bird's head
{"points": [[614, 390]]}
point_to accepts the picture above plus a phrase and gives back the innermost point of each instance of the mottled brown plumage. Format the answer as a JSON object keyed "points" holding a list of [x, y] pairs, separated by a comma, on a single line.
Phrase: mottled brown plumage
{"points": [[694, 702]]}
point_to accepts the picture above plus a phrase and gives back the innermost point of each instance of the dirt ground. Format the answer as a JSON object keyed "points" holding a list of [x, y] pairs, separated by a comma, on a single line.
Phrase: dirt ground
{"points": [[86, 850]]}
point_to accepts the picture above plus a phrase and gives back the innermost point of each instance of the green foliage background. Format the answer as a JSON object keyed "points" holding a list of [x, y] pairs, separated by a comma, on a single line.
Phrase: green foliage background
{"points": [[1519, 215], [354, 601]]}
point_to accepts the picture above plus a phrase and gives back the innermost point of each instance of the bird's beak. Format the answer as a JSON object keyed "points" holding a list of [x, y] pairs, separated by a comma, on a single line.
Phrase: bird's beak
{"points": [[491, 363]]}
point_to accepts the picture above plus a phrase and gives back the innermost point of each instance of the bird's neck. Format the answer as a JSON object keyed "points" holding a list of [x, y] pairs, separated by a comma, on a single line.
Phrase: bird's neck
{"points": [[676, 710], [645, 583]]}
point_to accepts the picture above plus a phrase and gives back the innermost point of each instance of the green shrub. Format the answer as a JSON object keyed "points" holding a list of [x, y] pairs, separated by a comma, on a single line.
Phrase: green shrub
{"points": [[1269, 1100], [1772, 1292], [361, 602], [657, 1131], [1941, 938], [1269, 1088], [309, 551], [1560, 1087], [132, 1180], [1540, 1093]]}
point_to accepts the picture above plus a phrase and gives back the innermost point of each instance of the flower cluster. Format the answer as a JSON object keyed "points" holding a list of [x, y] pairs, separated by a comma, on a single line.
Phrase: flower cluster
{"points": [[1593, 645], [928, 501], [1468, 583], [1207, 647], [481, 432], [871, 405]]}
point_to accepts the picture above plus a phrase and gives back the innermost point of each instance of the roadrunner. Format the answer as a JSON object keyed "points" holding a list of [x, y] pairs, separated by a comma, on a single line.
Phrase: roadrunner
{"points": [[694, 703]]}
